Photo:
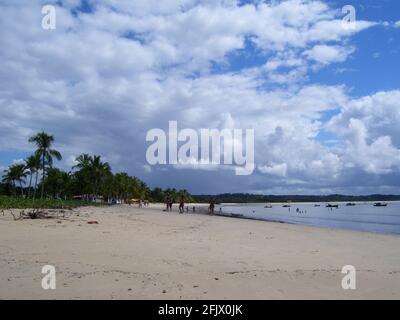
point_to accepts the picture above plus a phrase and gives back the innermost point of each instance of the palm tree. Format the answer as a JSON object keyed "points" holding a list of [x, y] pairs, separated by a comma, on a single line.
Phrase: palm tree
{"points": [[83, 173], [58, 183], [43, 143], [184, 194], [32, 163], [98, 171], [83, 162], [15, 173], [92, 172]]}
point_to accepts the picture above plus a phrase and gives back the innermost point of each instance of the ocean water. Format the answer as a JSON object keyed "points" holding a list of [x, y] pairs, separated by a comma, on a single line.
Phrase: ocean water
{"points": [[362, 217]]}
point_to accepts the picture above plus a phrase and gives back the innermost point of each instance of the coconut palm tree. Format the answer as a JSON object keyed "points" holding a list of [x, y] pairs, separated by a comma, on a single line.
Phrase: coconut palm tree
{"points": [[43, 143], [83, 162], [83, 174], [98, 171], [92, 172], [58, 183], [32, 163], [15, 173]]}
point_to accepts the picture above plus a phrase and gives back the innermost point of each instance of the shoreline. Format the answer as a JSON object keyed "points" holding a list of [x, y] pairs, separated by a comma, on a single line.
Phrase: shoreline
{"points": [[309, 203]]}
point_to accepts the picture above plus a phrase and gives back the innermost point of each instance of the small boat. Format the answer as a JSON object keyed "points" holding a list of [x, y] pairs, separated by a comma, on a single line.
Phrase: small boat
{"points": [[268, 206], [350, 204], [332, 206], [235, 215], [286, 206], [317, 205], [380, 204]]}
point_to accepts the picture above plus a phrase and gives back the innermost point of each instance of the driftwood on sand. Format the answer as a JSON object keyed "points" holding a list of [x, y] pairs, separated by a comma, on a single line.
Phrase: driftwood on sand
{"points": [[37, 213]]}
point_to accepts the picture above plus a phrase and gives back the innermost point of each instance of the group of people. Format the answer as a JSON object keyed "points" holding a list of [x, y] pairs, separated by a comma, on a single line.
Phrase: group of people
{"points": [[169, 202], [142, 203]]}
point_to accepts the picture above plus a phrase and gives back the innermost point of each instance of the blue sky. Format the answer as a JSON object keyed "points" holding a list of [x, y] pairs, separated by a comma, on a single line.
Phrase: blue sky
{"points": [[323, 101]]}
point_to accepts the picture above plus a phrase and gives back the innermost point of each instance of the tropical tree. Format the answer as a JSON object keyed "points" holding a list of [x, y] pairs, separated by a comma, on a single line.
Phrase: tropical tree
{"points": [[82, 176], [157, 194], [83, 162], [98, 171], [90, 177], [32, 164], [58, 183], [43, 143], [185, 195], [15, 173], [92, 172], [142, 191], [5, 189], [121, 186]]}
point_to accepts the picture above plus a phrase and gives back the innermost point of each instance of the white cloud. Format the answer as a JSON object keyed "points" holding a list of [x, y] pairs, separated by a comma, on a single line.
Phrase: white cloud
{"points": [[325, 54], [378, 157], [18, 161], [371, 133], [277, 169]]}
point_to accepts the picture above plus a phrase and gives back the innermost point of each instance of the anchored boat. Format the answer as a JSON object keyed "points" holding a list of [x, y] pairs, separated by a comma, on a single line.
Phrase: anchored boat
{"points": [[332, 206], [350, 204], [380, 204]]}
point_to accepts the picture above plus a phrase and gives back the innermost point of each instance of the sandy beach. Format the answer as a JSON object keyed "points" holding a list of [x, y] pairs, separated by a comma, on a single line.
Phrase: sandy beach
{"points": [[145, 253]]}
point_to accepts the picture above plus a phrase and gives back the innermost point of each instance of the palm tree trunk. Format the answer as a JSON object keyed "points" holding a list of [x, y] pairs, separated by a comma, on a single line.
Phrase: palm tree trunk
{"points": [[30, 184], [43, 174], [95, 189], [22, 189], [36, 179]]}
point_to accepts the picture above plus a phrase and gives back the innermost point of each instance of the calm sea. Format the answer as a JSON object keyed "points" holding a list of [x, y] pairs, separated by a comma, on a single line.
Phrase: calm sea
{"points": [[361, 217]]}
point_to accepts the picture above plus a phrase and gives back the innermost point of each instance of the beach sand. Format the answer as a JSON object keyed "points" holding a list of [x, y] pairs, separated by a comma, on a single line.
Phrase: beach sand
{"points": [[145, 253]]}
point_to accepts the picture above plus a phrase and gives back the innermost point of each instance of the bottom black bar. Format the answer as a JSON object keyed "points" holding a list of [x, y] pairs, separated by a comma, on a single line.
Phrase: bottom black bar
{"points": [[221, 309]]}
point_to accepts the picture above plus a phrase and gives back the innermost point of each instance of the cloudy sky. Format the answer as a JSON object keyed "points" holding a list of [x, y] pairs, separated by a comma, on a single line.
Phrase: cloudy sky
{"points": [[323, 98]]}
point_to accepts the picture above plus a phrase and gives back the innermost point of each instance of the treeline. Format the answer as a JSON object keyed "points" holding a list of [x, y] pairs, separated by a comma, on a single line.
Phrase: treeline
{"points": [[90, 179], [253, 198]]}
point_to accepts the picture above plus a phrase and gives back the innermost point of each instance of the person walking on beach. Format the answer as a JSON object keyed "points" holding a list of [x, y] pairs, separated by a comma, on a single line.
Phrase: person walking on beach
{"points": [[182, 205], [211, 207], [166, 201], [170, 202]]}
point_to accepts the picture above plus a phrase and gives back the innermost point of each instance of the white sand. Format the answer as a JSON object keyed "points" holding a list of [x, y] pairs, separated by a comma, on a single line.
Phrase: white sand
{"points": [[148, 254]]}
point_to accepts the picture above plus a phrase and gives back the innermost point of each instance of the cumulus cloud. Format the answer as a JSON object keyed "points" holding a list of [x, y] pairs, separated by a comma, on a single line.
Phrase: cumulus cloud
{"points": [[325, 54], [275, 169], [107, 75], [370, 130]]}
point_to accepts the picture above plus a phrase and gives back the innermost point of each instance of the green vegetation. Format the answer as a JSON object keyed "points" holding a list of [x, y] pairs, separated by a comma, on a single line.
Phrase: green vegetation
{"points": [[90, 180], [7, 202], [43, 142], [15, 173]]}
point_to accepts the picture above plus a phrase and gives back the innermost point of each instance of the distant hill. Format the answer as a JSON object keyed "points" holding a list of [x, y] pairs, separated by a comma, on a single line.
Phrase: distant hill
{"points": [[254, 198]]}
